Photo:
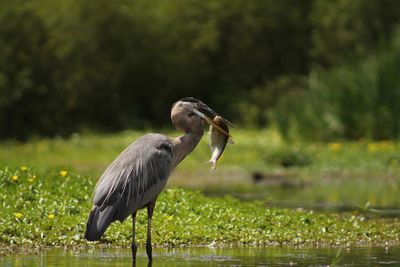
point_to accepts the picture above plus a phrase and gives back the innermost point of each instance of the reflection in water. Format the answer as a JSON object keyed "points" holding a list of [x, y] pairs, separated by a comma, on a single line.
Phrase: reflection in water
{"points": [[149, 264], [269, 256]]}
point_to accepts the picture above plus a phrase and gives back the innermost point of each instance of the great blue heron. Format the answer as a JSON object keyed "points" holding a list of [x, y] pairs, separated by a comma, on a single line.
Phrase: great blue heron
{"points": [[138, 175]]}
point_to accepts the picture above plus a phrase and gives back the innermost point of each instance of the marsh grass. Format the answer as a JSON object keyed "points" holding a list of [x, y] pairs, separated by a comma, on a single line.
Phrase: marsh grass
{"points": [[253, 149], [338, 173]]}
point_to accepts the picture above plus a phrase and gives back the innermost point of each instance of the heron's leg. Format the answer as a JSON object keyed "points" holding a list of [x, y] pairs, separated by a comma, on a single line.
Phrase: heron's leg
{"points": [[150, 209], [133, 246]]}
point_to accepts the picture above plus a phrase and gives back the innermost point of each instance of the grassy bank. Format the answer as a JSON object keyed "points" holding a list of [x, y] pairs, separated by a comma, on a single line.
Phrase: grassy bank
{"points": [[51, 209], [355, 173], [262, 150]]}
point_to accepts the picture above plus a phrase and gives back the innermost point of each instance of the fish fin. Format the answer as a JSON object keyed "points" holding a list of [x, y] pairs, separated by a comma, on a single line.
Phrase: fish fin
{"points": [[213, 164], [230, 141]]}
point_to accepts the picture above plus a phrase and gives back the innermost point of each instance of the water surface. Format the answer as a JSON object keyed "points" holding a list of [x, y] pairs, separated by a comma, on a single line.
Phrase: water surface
{"points": [[270, 256]]}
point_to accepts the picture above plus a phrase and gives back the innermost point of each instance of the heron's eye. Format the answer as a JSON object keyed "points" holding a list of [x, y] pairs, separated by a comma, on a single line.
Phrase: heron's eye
{"points": [[192, 114]]}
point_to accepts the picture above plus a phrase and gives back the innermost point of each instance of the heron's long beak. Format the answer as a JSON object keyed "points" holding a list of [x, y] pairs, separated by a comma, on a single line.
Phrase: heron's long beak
{"points": [[203, 108], [208, 115]]}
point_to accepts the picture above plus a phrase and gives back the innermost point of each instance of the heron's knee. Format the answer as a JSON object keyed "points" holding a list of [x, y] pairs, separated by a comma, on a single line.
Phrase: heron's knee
{"points": [[134, 248]]}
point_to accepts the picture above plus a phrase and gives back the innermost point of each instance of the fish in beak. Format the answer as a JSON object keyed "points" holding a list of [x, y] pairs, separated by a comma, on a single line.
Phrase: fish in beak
{"points": [[219, 131], [207, 114], [218, 140]]}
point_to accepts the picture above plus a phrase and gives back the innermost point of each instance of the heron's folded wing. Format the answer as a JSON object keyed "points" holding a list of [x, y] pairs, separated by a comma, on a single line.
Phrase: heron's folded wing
{"points": [[134, 174]]}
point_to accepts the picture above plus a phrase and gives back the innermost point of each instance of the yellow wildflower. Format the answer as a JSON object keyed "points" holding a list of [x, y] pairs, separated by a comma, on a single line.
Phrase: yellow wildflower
{"points": [[335, 146], [372, 147], [30, 180], [63, 173], [14, 178], [24, 168], [33, 176], [18, 215], [51, 216], [381, 146]]}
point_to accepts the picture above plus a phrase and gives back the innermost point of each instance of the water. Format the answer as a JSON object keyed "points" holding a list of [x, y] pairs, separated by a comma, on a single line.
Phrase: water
{"points": [[270, 256]]}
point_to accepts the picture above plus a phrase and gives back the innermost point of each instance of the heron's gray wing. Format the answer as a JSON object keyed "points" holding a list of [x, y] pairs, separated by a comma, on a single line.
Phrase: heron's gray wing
{"points": [[136, 176]]}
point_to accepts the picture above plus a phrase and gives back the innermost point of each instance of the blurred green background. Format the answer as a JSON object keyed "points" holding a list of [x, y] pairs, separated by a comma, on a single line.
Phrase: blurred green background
{"points": [[311, 69]]}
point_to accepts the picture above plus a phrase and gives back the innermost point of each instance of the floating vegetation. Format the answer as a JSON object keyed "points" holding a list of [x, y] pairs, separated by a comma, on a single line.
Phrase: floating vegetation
{"points": [[52, 209]]}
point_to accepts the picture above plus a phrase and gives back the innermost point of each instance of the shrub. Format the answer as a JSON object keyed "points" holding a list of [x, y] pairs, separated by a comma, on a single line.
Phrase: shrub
{"points": [[289, 157]]}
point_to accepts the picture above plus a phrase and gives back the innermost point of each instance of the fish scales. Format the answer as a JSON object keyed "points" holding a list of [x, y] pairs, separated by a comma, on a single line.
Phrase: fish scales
{"points": [[218, 140]]}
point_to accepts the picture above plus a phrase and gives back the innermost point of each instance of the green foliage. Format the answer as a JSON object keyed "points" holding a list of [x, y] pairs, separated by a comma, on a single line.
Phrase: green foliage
{"points": [[52, 209], [72, 65], [31, 99], [42, 210], [346, 30], [352, 101]]}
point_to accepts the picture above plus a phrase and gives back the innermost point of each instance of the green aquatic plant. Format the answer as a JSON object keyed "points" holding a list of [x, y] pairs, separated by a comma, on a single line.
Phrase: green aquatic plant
{"points": [[51, 210]]}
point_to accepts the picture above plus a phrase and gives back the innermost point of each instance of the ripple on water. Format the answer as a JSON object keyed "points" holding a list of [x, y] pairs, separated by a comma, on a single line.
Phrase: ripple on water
{"points": [[268, 256]]}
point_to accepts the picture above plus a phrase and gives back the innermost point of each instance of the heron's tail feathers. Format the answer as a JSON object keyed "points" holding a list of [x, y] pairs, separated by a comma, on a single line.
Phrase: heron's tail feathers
{"points": [[98, 222]]}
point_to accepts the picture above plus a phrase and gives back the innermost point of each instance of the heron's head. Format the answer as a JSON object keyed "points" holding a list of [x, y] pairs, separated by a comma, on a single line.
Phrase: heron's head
{"points": [[189, 113]]}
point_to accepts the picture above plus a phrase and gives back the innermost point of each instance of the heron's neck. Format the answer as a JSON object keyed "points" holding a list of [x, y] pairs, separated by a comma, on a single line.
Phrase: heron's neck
{"points": [[184, 144]]}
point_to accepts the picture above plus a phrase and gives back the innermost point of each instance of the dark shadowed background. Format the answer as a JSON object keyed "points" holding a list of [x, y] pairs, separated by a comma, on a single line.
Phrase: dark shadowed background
{"points": [[316, 69]]}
